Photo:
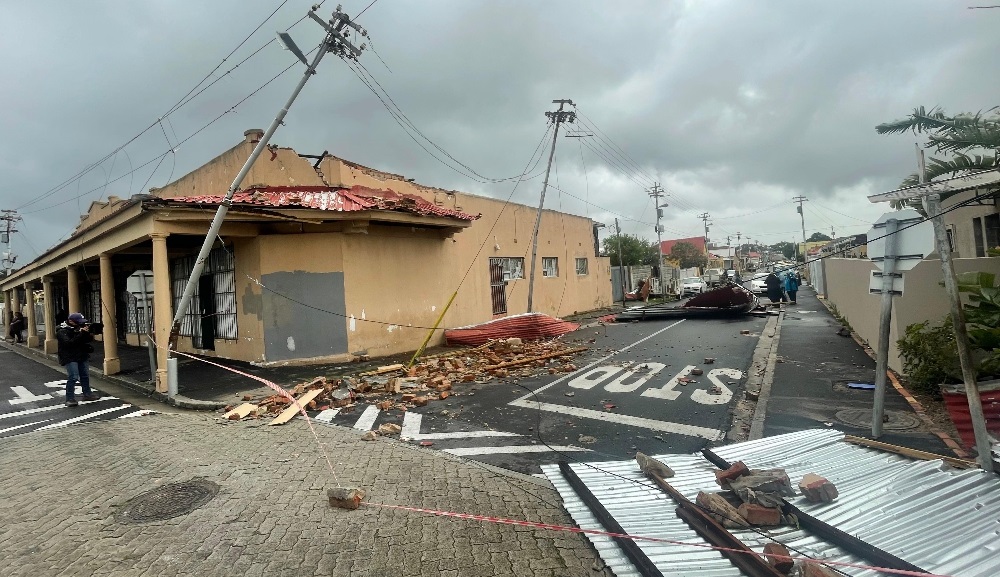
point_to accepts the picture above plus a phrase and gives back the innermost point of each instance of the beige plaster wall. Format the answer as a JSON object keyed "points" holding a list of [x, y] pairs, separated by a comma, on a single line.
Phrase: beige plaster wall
{"points": [[960, 221], [924, 297]]}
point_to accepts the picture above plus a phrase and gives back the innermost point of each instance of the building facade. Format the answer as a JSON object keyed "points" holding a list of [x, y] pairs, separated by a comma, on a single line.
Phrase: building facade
{"points": [[319, 260]]}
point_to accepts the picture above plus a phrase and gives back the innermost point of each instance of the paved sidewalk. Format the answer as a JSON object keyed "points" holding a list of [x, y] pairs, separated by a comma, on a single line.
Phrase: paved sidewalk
{"points": [[62, 488], [810, 385]]}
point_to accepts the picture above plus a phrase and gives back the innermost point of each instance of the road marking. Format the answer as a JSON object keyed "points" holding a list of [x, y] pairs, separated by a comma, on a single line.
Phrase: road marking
{"points": [[411, 430], [141, 413], [665, 426], [667, 391], [327, 415], [367, 419], [618, 386], [26, 396], [83, 417], [50, 408], [512, 449], [24, 425], [593, 364], [726, 395]]}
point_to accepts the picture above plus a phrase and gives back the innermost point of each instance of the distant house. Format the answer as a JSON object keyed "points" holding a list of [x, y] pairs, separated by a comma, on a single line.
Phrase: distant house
{"points": [[697, 241]]}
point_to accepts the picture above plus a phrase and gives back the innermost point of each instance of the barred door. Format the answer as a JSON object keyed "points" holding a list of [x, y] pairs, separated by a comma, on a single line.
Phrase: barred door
{"points": [[498, 287]]}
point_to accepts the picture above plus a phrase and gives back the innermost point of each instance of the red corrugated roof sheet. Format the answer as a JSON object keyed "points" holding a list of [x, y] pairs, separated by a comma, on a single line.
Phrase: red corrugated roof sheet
{"points": [[529, 326], [354, 199]]}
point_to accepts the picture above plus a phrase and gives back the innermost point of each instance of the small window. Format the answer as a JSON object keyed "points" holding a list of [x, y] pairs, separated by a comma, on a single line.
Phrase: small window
{"points": [[977, 233], [582, 266], [550, 266], [992, 225], [513, 268]]}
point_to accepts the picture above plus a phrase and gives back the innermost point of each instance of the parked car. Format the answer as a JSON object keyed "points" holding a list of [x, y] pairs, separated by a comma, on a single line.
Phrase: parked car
{"points": [[713, 276], [757, 283], [692, 286]]}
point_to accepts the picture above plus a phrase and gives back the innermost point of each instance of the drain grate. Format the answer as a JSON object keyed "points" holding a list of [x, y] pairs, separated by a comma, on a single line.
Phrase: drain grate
{"points": [[862, 419], [168, 501]]}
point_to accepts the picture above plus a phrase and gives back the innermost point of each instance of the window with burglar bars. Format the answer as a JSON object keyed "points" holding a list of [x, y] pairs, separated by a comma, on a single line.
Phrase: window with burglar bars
{"points": [[550, 266], [582, 266], [221, 265], [91, 303], [135, 315], [512, 267]]}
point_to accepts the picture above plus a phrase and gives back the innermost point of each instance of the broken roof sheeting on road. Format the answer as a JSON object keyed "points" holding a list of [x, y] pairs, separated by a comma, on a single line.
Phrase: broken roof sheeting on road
{"points": [[944, 520], [354, 199], [528, 326]]}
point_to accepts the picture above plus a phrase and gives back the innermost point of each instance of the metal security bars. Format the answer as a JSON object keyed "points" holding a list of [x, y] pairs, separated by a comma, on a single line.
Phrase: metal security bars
{"points": [[220, 270]]}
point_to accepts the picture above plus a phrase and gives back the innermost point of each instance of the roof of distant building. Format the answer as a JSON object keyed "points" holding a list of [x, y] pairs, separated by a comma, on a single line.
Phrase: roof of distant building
{"points": [[697, 241]]}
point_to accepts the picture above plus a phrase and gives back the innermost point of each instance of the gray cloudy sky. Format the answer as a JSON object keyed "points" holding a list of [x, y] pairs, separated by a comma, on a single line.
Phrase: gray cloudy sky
{"points": [[734, 106]]}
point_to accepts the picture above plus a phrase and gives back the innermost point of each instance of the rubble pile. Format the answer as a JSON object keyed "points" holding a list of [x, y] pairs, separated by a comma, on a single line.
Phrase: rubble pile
{"points": [[434, 378]]}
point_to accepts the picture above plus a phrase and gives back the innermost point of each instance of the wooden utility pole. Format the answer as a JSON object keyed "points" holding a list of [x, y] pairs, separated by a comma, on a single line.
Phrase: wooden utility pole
{"points": [[621, 263], [656, 193], [557, 118], [802, 217]]}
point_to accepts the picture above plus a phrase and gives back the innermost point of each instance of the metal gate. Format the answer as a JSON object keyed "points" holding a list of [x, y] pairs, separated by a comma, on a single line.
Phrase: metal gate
{"points": [[498, 287]]}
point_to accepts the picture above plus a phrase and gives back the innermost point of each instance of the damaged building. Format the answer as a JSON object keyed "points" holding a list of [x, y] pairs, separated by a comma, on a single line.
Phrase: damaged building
{"points": [[319, 259]]}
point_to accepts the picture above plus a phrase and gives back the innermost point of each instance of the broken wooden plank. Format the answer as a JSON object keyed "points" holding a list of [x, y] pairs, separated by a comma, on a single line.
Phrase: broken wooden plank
{"points": [[560, 353], [911, 453], [293, 408], [240, 412]]}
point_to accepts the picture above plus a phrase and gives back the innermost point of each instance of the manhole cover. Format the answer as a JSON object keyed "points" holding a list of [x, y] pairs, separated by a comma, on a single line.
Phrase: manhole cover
{"points": [[862, 419], [168, 501]]}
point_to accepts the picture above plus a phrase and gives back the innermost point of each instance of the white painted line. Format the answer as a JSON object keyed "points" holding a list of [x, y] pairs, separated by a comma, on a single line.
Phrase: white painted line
{"points": [[83, 417], [327, 415], [141, 413], [26, 396], [24, 425], [593, 364], [411, 430], [513, 449], [665, 426], [367, 419], [50, 408]]}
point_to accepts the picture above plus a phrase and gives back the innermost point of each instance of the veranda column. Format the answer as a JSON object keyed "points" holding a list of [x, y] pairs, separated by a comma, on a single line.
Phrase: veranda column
{"points": [[29, 289], [162, 314], [51, 344], [7, 313], [73, 289], [112, 364]]}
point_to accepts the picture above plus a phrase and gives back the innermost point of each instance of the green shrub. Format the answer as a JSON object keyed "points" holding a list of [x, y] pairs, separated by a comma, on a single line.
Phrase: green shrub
{"points": [[930, 356]]}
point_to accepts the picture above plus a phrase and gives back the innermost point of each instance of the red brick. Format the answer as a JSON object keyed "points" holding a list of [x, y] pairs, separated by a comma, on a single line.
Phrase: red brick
{"points": [[420, 401], [817, 570], [777, 556], [737, 469], [406, 398], [443, 395], [818, 489], [384, 405], [760, 515], [468, 378]]}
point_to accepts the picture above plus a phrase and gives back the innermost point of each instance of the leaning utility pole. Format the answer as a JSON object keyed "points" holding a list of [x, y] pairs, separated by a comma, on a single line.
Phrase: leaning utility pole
{"points": [[9, 218], [621, 263], [656, 193], [802, 216], [557, 118], [335, 42]]}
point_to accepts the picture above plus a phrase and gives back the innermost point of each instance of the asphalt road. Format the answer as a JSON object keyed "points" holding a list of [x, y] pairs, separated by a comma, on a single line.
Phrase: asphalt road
{"points": [[32, 397], [625, 395]]}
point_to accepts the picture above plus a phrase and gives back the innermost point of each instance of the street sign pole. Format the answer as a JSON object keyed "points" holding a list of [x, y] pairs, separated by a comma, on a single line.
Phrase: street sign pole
{"points": [[885, 325]]}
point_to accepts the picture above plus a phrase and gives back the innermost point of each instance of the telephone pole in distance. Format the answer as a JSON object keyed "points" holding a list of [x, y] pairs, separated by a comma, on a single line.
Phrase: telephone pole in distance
{"points": [[656, 193], [704, 219], [800, 200]]}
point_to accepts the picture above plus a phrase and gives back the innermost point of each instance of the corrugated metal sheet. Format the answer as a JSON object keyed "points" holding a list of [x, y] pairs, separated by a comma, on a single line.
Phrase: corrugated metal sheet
{"points": [[944, 520], [525, 326], [958, 407], [355, 199]]}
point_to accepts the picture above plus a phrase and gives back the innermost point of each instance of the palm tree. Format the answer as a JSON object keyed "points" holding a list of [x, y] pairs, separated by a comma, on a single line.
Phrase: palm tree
{"points": [[972, 139]]}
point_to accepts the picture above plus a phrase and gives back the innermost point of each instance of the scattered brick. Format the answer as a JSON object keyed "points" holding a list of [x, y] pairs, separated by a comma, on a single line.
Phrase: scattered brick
{"points": [[345, 497], [420, 401], [817, 570], [389, 429], [384, 405], [709, 360], [443, 395], [737, 469], [369, 436], [777, 556], [760, 515], [468, 377], [818, 489], [408, 397], [697, 372], [720, 509]]}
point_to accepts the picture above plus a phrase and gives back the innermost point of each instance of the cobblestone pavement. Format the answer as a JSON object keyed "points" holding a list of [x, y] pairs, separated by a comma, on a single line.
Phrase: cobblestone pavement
{"points": [[60, 490]]}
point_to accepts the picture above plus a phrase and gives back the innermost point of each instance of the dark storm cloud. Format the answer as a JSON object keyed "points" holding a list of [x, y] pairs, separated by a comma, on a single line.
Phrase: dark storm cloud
{"points": [[735, 107]]}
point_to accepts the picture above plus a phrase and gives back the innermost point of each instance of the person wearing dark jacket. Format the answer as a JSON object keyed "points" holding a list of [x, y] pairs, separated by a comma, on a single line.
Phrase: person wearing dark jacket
{"points": [[74, 349], [774, 287], [16, 328]]}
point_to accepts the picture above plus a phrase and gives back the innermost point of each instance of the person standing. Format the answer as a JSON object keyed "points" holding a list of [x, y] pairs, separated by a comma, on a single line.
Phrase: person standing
{"points": [[773, 284], [791, 285], [16, 328], [74, 349]]}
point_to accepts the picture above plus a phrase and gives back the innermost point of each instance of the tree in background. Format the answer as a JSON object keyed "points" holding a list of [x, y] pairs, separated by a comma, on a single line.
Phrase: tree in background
{"points": [[688, 255], [634, 250], [973, 140], [784, 247], [818, 236]]}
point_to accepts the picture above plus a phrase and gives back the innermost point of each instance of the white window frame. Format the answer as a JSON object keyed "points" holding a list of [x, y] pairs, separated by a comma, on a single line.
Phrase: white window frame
{"points": [[586, 266], [550, 266]]}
